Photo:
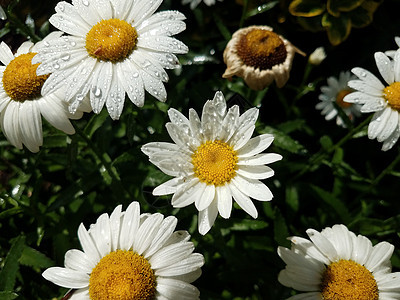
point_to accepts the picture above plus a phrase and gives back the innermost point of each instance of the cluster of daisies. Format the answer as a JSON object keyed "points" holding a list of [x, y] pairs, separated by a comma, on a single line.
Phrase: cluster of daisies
{"points": [[108, 50]]}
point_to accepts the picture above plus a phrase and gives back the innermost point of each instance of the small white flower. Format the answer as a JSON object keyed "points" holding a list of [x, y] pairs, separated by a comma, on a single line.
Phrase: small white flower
{"points": [[115, 47], [21, 103], [317, 56], [391, 53], [129, 255], [337, 264], [194, 3], [383, 100], [334, 92], [214, 159], [259, 56]]}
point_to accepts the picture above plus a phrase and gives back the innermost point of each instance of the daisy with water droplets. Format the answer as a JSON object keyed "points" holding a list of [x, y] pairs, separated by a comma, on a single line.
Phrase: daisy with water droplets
{"points": [[338, 265], [129, 255], [194, 3], [391, 53], [21, 103], [214, 159], [332, 94], [113, 48], [259, 56], [382, 99]]}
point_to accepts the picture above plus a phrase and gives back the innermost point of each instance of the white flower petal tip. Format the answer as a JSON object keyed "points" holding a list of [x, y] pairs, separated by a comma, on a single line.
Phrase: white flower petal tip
{"points": [[380, 98], [311, 263], [214, 160], [259, 73], [317, 56], [22, 107], [334, 96], [147, 241], [129, 64]]}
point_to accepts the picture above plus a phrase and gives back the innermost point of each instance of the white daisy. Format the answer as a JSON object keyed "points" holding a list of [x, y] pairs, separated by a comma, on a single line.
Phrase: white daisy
{"points": [[194, 3], [334, 93], [129, 255], [338, 265], [259, 56], [22, 105], [380, 98], [213, 160], [391, 53], [115, 47]]}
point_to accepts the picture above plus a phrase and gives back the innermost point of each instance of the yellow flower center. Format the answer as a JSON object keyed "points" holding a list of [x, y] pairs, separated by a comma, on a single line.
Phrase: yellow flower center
{"points": [[392, 95], [20, 81], [122, 275], [214, 162], [348, 280], [111, 40], [340, 96], [261, 49]]}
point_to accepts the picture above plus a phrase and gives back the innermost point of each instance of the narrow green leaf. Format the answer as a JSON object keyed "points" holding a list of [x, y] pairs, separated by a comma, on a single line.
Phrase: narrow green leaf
{"points": [[292, 198], [284, 141], [95, 123], [261, 9], [222, 27], [306, 8], [8, 295], [11, 264], [281, 231]]}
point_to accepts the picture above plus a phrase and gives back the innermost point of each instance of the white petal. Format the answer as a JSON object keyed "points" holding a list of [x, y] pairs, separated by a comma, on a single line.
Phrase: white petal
{"points": [[78, 261], [162, 43], [389, 283], [385, 67], [391, 125], [115, 227], [306, 296], [255, 172], [187, 265], [373, 105], [66, 277], [176, 289], [243, 201], [396, 68], [391, 140], [146, 233], [102, 76], [30, 123], [24, 48], [323, 244], [68, 20], [10, 124], [361, 249], [253, 188], [101, 234], [380, 254], [368, 77], [6, 55], [341, 239], [116, 98], [223, 198], [80, 294], [88, 245], [55, 113], [171, 255], [378, 123], [256, 145], [188, 193], [364, 87], [168, 187], [142, 9], [155, 147], [164, 232], [206, 198], [259, 159], [128, 76], [153, 86], [207, 218], [130, 226]]}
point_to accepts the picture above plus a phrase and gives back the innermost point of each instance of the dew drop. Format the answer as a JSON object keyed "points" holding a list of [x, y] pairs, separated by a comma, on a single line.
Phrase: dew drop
{"points": [[96, 92], [85, 2]]}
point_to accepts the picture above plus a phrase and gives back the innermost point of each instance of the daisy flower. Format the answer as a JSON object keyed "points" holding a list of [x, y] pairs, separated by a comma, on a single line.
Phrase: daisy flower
{"points": [[21, 103], [129, 255], [382, 99], [333, 94], [194, 3], [259, 56], [337, 264], [214, 159], [113, 48]]}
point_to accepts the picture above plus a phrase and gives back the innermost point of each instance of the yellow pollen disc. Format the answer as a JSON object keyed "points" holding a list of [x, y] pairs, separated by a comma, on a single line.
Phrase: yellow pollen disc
{"points": [[348, 280], [122, 275], [392, 95], [215, 162], [111, 40], [340, 96], [261, 49], [20, 81]]}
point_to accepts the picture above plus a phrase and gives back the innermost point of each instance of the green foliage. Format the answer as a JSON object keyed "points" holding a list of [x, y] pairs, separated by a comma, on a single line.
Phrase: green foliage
{"points": [[328, 175]]}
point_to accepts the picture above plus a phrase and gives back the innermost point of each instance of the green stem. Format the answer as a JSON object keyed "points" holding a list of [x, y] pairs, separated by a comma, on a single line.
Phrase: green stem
{"points": [[244, 13], [387, 170]]}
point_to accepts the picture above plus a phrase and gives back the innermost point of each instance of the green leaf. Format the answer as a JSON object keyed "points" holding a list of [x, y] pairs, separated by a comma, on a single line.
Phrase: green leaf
{"points": [[95, 123], [33, 258], [334, 7], [11, 264], [326, 142], [313, 24], [8, 295], [338, 206], [222, 27], [284, 141], [338, 29], [10, 212], [261, 9], [306, 8], [281, 231], [292, 197], [363, 15]]}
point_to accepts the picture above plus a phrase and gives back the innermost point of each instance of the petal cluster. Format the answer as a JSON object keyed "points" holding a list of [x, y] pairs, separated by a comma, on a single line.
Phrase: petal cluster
{"points": [[384, 126], [307, 260], [151, 235], [107, 82], [188, 134]]}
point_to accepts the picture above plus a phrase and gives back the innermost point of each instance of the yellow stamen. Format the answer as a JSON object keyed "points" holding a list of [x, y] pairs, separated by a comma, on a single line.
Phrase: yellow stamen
{"points": [[122, 275], [340, 96], [392, 95], [215, 162], [20, 81], [261, 49], [111, 40], [348, 280]]}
